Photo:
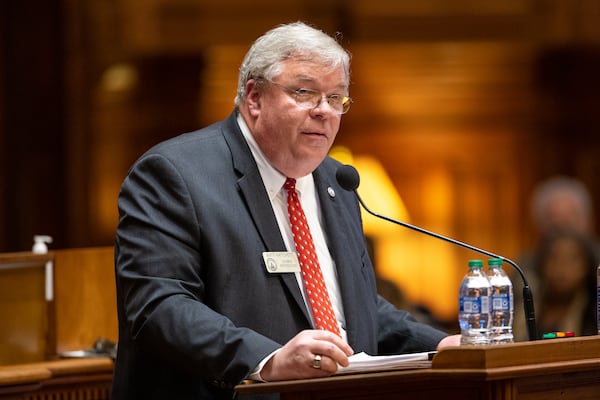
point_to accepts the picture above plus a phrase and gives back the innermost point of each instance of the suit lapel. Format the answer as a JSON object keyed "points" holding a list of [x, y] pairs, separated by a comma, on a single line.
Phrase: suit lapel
{"points": [[257, 200]]}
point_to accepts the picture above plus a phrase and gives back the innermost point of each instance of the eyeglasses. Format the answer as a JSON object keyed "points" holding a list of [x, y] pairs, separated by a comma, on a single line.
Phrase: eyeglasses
{"points": [[309, 99]]}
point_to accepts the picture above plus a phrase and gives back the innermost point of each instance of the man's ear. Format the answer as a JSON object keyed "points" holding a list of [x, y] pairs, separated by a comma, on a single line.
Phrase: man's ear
{"points": [[253, 97]]}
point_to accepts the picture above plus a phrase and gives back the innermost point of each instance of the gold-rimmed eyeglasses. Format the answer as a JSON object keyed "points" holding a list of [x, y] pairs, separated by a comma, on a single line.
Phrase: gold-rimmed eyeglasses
{"points": [[309, 99]]}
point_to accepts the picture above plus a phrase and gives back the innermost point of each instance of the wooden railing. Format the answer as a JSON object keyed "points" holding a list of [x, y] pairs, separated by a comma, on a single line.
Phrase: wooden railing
{"points": [[72, 379]]}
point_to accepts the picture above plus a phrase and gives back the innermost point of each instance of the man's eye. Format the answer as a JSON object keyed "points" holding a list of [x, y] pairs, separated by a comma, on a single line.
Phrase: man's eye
{"points": [[304, 92]]}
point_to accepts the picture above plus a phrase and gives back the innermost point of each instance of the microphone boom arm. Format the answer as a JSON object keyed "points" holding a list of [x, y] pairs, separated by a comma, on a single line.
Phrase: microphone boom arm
{"points": [[527, 294]]}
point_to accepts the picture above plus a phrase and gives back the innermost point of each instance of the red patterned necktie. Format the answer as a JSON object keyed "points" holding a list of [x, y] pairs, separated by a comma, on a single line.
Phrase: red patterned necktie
{"points": [[318, 297]]}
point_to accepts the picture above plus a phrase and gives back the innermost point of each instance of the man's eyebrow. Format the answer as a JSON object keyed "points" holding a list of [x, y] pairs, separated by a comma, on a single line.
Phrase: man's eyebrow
{"points": [[302, 79]]}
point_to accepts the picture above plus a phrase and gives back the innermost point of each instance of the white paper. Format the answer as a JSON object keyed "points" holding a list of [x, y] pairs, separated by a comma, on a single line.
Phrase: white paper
{"points": [[365, 362]]}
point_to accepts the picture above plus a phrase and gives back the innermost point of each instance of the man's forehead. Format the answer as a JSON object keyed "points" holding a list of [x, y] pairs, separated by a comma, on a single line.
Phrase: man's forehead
{"points": [[311, 71]]}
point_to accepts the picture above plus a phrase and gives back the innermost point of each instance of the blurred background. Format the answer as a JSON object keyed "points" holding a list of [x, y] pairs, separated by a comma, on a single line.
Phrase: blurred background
{"points": [[461, 108]]}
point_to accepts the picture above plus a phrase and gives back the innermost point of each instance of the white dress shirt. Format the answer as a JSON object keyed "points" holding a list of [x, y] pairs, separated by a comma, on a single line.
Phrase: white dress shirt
{"points": [[305, 186]]}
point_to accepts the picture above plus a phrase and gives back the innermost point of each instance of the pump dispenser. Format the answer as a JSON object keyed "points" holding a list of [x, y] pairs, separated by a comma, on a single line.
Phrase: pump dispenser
{"points": [[40, 246]]}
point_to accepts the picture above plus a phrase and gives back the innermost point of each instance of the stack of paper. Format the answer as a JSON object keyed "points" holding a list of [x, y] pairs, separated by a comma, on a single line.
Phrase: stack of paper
{"points": [[364, 362]]}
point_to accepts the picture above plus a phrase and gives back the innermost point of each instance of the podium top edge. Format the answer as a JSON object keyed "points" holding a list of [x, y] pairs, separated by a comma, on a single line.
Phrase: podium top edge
{"points": [[518, 354]]}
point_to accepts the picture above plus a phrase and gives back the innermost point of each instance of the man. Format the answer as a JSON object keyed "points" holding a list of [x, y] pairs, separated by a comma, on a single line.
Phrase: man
{"points": [[204, 227]]}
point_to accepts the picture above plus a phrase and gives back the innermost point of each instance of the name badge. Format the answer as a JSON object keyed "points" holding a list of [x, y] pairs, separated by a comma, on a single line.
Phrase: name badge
{"points": [[281, 262]]}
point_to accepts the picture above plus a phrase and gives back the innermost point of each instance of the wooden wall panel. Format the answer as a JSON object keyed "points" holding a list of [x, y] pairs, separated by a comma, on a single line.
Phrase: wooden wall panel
{"points": [[85, 297], [37, 326], [184, 26], [24, 330], [32, 122]]}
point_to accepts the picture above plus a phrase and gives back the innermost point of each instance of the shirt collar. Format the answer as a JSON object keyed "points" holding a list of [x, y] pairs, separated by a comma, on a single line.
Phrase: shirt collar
{"points": [[272, 179]]}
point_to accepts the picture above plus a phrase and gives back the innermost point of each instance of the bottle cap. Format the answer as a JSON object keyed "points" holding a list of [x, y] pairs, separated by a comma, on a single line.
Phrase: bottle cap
{"points": [[494, 262], [475, 263]]}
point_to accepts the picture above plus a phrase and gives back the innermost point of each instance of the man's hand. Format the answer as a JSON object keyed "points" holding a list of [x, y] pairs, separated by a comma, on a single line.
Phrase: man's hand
{"points": [[295, 360], [453, 340]]}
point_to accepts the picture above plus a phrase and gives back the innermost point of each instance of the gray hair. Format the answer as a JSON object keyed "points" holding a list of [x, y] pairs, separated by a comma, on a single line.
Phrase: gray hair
{"points": [[561, 187], [296, 40]]}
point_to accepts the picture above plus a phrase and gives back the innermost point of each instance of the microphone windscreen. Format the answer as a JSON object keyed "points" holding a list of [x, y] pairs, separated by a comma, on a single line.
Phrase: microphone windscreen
{"points": [[348, 178]]}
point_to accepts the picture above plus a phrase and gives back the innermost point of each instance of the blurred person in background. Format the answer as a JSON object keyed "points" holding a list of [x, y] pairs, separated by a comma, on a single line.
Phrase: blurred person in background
{"points": [[565, 297], [558, 204], [562, 202]]}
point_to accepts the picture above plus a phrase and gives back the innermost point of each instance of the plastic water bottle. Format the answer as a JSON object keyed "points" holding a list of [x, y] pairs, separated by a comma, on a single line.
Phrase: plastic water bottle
{"points": [[474, 305], [502, 308]]}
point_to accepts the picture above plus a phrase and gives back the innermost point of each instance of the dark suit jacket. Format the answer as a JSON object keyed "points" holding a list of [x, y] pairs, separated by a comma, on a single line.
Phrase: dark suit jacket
{"points": [[197, 308]]}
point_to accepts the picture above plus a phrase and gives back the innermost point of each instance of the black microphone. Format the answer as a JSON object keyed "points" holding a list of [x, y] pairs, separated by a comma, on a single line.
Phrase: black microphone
{"points": [[348, 178]]}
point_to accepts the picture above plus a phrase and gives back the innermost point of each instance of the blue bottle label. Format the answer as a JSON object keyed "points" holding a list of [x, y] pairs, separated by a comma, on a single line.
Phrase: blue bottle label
{"points": [[501, 302], [474, 305]]}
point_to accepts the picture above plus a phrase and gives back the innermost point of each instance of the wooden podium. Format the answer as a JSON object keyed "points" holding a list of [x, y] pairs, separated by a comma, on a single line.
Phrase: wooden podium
{"points": [[567, 368]]}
